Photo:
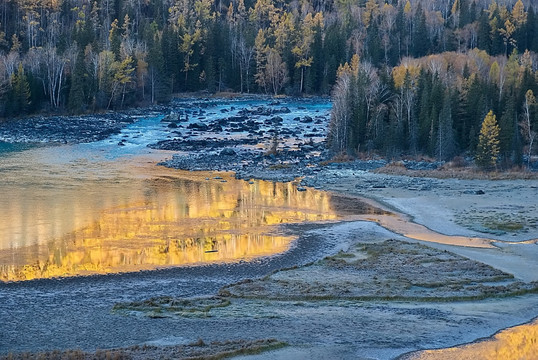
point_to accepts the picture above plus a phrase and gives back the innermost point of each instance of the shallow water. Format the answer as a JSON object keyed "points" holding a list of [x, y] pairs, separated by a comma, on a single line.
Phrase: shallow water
{"points": [[103, 208]]}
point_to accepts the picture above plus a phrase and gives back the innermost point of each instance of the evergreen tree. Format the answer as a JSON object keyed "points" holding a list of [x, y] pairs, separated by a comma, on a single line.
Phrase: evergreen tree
{"points": [[420, 33], [507, 127], [76, 92], [532, 30], [445, 140], [487, 150], [114, 37], [20, 92], [314, 79], [484, 31]]}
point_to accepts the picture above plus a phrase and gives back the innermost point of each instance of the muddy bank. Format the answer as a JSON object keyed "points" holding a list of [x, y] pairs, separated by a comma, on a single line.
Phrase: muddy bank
{"points": [[503, 210]]}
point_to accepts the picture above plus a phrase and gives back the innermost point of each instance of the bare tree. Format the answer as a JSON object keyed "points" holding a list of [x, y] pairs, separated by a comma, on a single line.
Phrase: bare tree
{"points": [[246, 54], [54, 66], [276, 71], [526, 125], [340, 115]]}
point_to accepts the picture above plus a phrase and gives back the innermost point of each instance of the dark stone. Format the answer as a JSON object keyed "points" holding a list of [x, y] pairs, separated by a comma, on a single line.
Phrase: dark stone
{"points": [[228, 152], [197, 126]]}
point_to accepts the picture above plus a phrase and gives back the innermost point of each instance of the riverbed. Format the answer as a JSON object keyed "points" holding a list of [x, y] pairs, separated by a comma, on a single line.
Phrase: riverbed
{"points": [[87, 226]]}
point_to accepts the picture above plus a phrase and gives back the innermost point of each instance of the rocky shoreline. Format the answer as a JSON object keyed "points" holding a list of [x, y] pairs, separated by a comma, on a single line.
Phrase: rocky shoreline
{"points": [[63, 129]]}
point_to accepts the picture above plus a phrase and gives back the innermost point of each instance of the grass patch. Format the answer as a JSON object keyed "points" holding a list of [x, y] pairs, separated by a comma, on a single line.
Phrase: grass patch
{"points": [[166, 306], [198, 350], [279, 166], [462, 173], [393, 270], [497, 222], [509, 226]]}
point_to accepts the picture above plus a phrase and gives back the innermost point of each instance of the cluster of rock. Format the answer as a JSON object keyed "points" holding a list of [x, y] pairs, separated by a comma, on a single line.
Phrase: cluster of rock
{"points": [[63, 129]]}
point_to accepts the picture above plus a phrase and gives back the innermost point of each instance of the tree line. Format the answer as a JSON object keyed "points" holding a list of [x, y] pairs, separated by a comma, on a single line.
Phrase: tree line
{"points": [[436, 104], [414, 76], [86, 55]]}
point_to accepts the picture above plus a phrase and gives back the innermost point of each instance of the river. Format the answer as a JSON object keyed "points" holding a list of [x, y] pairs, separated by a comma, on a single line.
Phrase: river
{"points": [[101, 208], [85, 226]]}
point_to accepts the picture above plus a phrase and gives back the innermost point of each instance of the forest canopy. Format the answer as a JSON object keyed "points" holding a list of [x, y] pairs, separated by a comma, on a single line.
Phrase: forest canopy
{"points": [[406, 76]]}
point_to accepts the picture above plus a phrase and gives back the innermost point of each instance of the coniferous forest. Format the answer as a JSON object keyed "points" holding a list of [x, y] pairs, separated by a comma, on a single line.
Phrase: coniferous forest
{"points": [[406, 76]]}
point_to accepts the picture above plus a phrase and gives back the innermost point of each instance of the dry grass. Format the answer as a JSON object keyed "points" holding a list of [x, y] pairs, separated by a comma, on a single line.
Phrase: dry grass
{"points": [[451, 171], [198, 350], [339, 158]]}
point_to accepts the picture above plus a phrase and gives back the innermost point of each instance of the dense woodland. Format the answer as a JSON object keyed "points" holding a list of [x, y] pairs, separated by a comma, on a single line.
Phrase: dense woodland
{"points": [[406, 76]]}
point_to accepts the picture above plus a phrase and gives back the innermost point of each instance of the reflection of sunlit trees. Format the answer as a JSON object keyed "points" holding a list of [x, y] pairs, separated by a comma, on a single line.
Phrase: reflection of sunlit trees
{"points": [[175, 221]]}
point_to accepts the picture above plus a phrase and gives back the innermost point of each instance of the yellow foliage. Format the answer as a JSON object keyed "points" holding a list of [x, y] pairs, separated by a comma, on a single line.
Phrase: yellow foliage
{"points": [[494, 72], [518, 13], [407, 7], [399, 72], [488, 142]]}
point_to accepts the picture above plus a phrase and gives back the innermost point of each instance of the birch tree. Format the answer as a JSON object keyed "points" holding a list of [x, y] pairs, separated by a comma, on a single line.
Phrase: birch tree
{"points": [[527, 129]]}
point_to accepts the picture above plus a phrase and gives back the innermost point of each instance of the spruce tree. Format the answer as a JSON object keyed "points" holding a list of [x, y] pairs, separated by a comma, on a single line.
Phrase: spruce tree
{"points": [[420, 33], [445, 146], [76, 92], [21, 92], [484, 30], [532, 30]]}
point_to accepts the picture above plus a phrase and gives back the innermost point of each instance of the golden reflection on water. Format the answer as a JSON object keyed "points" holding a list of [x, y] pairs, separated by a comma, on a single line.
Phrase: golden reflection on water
{"points": [[175, 218], [517, 343]]}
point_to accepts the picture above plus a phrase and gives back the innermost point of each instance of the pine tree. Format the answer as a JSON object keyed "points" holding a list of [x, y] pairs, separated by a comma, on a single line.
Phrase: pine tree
{"points": [[115, 39], [487, 150], [532, 30], [445, 142], [76, 92], [484, 30], [420, 33], [21, 91], [508, 127]]}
